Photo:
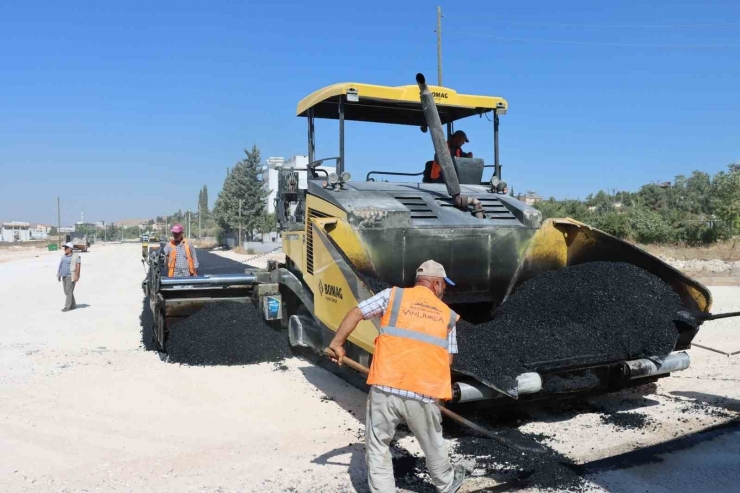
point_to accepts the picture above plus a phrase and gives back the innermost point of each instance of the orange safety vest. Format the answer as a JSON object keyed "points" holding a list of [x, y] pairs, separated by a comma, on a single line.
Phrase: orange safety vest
{"points": [[437, 169], [412, 350], [173, 257]]}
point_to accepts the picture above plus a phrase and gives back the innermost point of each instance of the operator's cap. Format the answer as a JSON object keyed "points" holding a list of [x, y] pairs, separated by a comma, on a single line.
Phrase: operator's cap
{"points": [[177, 228], [462, 134], [431, 268], [68, 245]]}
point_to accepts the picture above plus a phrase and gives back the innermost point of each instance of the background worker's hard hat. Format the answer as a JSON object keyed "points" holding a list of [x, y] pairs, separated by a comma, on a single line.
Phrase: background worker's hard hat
{"points": [[177, 228]]}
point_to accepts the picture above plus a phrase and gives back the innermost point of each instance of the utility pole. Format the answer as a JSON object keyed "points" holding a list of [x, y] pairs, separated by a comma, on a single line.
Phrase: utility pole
{"points": [[439, 46], [240, 223], [200, 234], [188, 225], [59, 226]]}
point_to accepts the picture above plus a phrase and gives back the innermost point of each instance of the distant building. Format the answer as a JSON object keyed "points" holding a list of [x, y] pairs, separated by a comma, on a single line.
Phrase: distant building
{"points": [[100, 224], [40, 232], [270, 175], [665, 184], [65, 229], [529, 198], [15, 231]]}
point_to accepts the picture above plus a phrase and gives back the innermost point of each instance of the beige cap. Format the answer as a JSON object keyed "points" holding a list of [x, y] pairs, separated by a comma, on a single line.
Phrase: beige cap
{"points": [[430, 268]]}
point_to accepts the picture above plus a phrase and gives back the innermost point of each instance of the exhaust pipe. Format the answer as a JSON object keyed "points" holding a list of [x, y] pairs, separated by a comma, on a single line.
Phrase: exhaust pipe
{"points": [[429, 107], [644, 367]]}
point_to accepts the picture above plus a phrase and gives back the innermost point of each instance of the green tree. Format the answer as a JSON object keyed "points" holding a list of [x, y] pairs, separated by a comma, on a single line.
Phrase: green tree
{"points": [[726, 199], [648, 226], [550, 208], [268, 224], [244, 184], [203, 201]]}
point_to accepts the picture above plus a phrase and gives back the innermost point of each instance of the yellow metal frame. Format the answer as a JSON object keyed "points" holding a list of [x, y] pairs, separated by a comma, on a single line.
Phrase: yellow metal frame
{"points": [[403, 95]]}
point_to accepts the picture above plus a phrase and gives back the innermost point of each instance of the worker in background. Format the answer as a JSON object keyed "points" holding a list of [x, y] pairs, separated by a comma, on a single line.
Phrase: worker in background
{"points": [[181, 258], [454, 144], [68, 273], [410, 371]]}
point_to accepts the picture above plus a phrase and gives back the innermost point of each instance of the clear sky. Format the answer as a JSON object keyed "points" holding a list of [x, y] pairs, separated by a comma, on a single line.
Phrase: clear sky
{"points": [[125, 110]]}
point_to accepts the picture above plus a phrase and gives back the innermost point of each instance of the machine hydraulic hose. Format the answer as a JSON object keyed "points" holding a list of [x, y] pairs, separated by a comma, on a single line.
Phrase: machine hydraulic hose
{"points": [[444, 159]]}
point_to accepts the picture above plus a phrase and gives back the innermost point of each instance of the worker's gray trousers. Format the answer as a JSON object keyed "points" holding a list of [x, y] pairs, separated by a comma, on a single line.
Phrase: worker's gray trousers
{"points": [[69, 290], [385, 412]]}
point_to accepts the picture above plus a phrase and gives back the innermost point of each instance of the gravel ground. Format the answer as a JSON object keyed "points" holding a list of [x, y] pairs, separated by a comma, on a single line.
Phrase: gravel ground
{"points": [[83, 407]]}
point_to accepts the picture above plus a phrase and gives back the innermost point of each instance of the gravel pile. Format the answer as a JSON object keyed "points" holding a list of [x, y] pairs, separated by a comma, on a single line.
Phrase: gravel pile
{"points": [[599, 311], [226, 333]]}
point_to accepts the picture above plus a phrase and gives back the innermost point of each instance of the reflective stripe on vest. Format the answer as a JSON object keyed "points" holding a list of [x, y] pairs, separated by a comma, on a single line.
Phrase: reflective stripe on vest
{"points": [[412, 347], [173, 258], [392, 330]]}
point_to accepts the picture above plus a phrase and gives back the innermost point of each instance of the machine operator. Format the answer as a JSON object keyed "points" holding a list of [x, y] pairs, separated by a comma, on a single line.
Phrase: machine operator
{"points": [[410, 370], [182, 260], [454, 144]]}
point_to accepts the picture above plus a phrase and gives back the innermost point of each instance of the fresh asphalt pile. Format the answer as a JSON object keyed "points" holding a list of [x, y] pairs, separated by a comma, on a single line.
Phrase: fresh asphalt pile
{"points": [[627, 420], [598, 311], [226, 333], [375, 285]]}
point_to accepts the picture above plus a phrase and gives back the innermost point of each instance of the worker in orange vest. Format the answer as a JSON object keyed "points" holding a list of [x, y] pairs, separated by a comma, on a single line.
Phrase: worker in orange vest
{"points": [[455, 144], [410, 371], [182, 260]]}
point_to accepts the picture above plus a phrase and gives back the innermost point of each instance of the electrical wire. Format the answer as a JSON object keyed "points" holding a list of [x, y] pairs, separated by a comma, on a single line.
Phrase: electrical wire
{"points": [[593, 43], [628, 26]]}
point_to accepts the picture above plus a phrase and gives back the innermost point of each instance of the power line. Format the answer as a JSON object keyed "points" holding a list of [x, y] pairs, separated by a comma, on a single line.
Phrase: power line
{"points": [[592, 43], [632, 26]]}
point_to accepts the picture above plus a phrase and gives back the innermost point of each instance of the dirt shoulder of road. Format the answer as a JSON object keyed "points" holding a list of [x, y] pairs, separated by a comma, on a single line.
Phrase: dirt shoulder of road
{"points": [[717, 264]]}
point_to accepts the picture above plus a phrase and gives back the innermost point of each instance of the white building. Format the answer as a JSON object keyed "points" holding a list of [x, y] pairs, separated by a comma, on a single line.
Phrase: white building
{"points": [[270, 175], [66, 229], [40, 232], [16, 231]]}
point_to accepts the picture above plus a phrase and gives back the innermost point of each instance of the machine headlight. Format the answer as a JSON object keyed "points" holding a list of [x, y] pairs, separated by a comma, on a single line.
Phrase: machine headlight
{"points": [[495, 181], [346, 177], [333, 178]]}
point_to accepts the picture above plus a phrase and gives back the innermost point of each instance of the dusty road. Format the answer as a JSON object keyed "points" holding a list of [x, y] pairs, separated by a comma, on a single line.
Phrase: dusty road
{"points": [[83, 407]]}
